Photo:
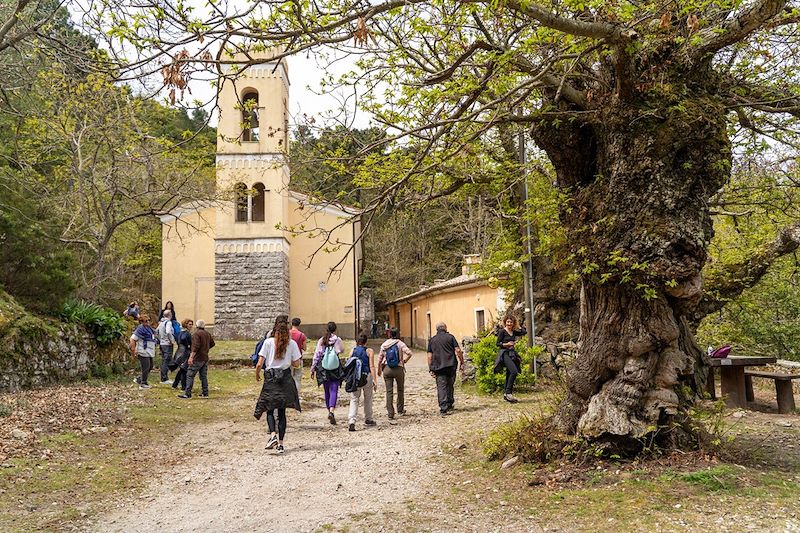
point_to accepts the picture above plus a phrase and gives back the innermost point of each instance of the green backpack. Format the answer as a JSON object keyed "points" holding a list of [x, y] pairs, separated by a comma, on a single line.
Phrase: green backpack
{"points": [[330, 359]]}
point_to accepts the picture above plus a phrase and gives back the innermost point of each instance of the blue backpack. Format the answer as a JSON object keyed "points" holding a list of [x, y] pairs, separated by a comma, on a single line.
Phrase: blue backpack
{"points": [[176, 328], [393, 355], [254, 356]]}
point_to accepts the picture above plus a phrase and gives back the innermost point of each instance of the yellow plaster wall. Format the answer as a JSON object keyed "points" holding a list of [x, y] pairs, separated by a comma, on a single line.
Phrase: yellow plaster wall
{"points": [[187, 276], [307, 301], [456, 309], [404, 325]]}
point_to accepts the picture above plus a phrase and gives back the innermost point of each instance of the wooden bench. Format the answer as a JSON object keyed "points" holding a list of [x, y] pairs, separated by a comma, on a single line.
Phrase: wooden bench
{"points": [[783, 387]]}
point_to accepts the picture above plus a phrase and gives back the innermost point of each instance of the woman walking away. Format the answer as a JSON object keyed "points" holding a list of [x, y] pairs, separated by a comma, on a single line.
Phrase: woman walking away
{"points": [[365, 379], [143, 345], [328, 368], [392, 361], [278, 354], [181, 360], [508, 358]]}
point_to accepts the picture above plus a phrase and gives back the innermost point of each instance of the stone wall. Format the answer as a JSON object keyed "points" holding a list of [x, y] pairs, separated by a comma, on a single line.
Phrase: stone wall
{"points": [[366, 310], [250, 290], [36, 352]]}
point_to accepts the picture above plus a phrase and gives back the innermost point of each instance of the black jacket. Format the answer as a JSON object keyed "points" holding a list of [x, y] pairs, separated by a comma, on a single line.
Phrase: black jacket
{"points": [[329, 375], [353, 379], [278, 392], [508, 355]]}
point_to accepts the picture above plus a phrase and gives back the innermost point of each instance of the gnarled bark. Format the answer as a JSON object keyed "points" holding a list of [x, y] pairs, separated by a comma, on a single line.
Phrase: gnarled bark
{"points": [[639, 181]]}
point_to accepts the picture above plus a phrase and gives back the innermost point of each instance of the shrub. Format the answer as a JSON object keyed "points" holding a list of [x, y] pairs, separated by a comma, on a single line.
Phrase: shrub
{"points": [[100, 371], [484, 354], [105, 324], [532, 439]]}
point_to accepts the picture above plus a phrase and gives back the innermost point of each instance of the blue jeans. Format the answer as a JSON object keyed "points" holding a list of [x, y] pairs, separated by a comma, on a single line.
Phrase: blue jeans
{"points": [[202, 369], [166, 360]]}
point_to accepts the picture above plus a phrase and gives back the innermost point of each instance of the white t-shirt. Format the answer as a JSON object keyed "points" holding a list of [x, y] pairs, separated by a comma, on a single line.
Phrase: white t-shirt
{"points": [[150, 351], [268, 353]]}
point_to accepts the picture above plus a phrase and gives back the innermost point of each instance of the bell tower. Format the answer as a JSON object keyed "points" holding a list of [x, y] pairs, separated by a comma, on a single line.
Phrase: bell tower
{"points": [[251, 252]]}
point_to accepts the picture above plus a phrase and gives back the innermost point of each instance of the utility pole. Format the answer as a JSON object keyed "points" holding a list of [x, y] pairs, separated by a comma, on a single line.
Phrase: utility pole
{"points": [[528, 266]]}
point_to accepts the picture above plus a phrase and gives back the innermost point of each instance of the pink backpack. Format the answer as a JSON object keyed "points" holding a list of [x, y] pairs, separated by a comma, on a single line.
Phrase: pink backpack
{"points": [[721, 352]]}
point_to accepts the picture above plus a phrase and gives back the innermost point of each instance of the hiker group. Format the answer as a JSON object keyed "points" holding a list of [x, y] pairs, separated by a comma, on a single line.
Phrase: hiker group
{"points": [[279, 356], [185, 346], [189, 359]]}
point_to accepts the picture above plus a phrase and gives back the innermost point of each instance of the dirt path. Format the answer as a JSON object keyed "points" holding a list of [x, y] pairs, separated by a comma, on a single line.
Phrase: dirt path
{"points": [[329, 478]]}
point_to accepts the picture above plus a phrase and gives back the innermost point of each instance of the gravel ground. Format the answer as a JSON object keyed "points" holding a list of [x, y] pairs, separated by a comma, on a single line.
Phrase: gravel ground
{"points": [[328, 477], [420, 472]]}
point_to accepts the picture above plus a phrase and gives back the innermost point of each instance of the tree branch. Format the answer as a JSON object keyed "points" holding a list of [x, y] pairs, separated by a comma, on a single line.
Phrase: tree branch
{"points": [[595, 30], [737, 29], [738, 277], [448, 72]]}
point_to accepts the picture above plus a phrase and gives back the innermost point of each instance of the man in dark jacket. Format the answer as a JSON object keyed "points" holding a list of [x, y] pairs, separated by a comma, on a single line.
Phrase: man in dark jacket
{"points": [[443, 349], [202, 342]]}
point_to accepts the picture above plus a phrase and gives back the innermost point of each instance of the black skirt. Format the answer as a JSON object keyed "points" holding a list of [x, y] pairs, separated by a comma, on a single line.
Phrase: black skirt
{"points": [[277, 392]]}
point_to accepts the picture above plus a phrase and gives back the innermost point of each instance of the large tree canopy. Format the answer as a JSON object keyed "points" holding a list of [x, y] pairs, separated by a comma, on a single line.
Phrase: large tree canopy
{"points": [[639, 106]]}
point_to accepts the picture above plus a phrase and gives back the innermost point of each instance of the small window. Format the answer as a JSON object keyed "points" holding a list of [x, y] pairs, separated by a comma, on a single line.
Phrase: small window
{"points": [[250, 116], [259, 193], [430, 329], [480, 321], [242, 199]]}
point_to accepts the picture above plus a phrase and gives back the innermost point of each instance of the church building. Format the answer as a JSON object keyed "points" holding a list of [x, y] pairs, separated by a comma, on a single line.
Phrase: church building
{"points": [[239, 263]]}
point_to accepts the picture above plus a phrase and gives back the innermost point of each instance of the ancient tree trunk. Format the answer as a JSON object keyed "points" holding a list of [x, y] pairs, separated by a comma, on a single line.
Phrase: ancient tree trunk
{"points": [[638, 181]]}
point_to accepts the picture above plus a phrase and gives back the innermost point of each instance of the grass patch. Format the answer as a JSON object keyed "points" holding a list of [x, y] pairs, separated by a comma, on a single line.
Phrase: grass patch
{"points": [[232, 351], [712, 479], [73, 474]]}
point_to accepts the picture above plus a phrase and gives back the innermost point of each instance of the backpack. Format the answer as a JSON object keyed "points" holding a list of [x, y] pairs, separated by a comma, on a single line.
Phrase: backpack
{"points": [[176, 329], [721, 352], [330, 359], [254, 356], [393, 355]]}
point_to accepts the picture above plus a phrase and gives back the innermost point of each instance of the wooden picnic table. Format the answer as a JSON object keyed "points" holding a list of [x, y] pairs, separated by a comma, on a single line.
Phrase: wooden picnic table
{"points": [[732, 377]]}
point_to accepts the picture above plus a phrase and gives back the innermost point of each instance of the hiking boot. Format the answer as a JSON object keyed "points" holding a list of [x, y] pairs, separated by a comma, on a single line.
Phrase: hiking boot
{"points": [[332, 419], [144, 386], [184, 396], [402, 413], [370, 423], [391, 417], [204, 395], [444, 413], [510, 398], [281, 449], [166, 382], [136, 380], [351, 427], [272, 442]]}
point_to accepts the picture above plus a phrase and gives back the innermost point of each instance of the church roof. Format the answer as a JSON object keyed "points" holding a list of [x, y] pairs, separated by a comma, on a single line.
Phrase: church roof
{"points": [[462, 281]]}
